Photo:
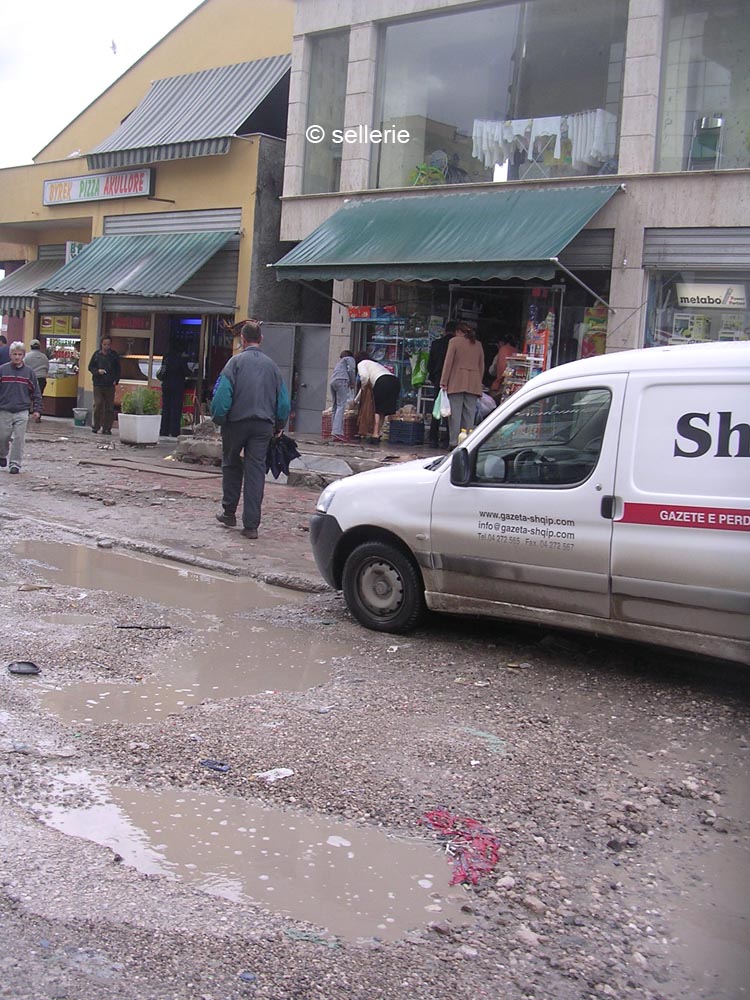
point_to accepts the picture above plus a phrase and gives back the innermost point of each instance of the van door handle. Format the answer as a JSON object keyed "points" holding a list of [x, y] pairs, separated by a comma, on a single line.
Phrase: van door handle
{"points": [[608, 507]]}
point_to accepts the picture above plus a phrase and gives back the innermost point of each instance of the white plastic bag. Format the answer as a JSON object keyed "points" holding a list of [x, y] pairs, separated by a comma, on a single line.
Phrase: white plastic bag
{"points": [[445, 404]]}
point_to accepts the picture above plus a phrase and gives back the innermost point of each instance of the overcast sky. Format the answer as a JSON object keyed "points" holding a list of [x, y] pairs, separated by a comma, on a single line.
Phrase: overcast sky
{"points": [[56, 56]]}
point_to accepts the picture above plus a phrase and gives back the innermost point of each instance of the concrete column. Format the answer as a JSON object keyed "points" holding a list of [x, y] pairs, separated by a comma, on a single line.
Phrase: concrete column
{"points": [[360, 101], [639, 125], [299, 87]]}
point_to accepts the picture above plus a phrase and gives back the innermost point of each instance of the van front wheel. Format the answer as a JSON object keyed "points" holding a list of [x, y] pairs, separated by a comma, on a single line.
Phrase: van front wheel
{"points": [[383, 588]]}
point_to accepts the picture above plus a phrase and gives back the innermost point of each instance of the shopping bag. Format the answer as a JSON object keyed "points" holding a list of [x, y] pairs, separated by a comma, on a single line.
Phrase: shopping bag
{"points": [[436, 408], [418, 368], [445, 404]]}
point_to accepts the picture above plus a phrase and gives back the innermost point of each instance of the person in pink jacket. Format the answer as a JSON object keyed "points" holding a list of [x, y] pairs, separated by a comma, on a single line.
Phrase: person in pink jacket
{"points": [[462, 379]]}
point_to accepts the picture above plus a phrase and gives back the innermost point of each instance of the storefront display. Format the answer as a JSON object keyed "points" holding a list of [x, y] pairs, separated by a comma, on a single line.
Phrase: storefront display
{"points": [[392, 341], [62, 345], [685, 308]]}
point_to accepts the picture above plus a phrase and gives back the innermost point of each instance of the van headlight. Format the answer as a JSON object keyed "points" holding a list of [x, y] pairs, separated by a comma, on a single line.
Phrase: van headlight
{"points": [[326, 497]]}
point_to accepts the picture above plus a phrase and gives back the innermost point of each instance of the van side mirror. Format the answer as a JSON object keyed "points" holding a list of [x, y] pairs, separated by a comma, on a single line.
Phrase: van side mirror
{"points": [[460, 467]]}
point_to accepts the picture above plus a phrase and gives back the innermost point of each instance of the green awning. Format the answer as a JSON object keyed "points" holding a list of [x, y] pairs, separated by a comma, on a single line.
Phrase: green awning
{"points": [[18, 290], [150, 265], [507, 233]]}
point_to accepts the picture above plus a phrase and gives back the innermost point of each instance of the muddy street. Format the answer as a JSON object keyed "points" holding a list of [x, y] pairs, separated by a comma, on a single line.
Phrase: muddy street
{"points": [[218, 787]]}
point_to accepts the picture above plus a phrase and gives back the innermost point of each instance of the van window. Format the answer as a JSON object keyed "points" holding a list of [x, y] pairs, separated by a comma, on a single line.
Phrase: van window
{"points": [[554, 441]]}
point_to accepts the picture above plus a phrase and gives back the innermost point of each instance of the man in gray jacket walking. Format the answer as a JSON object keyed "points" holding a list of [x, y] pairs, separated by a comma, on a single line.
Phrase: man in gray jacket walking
{"points": [[250, 402], [19, 395]]}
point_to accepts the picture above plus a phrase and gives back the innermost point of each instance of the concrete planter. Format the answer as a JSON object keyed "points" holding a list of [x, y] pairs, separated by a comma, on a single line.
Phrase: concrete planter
{"points": [[139, 428]]}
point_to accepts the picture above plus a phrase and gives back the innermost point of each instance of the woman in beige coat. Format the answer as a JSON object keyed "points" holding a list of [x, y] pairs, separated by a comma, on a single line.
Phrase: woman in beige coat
{"points": [[462, 379]]}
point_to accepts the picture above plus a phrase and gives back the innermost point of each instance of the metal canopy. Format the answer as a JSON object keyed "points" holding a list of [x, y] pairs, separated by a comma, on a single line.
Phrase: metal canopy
{"points": [[191, 115], [149, 265], [509, 233], [18, 290]]}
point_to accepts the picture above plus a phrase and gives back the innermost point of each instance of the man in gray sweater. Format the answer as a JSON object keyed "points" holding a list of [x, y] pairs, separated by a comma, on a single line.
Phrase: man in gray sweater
{"points": [[19, 396], [250, 403]]}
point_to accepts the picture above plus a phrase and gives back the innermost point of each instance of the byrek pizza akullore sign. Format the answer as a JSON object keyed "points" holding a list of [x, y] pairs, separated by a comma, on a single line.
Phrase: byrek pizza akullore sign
{"points": [[99, 187]]}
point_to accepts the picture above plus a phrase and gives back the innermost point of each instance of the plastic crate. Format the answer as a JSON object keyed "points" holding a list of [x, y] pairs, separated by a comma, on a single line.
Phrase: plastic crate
{"points": [[406, 432]]}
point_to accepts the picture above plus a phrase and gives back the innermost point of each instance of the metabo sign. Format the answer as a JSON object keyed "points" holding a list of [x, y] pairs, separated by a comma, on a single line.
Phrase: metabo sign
{"points": [[707, 296], [99, 187]]}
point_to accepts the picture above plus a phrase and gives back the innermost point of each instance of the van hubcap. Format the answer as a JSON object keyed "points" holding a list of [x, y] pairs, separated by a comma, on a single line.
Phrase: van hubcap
{"points": [[381, 587]]}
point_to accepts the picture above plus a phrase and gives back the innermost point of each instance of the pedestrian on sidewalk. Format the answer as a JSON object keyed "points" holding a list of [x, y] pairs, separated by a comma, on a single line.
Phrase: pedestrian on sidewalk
{"points": [[385, 386], [38, 360], [105, 371], [250, 403], [461, 378], [343, 381], [173, 372], [435, 362], [4, 350], [19, 395]]}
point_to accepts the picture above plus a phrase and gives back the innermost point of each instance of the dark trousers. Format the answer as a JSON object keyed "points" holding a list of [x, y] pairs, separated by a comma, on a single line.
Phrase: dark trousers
{"points": [[104, 407], [435, 427], [171, 409], [243, 464]]}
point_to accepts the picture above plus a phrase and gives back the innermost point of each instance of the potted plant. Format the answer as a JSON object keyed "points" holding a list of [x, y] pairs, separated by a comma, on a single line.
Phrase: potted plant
{"points": [[140, 419]]}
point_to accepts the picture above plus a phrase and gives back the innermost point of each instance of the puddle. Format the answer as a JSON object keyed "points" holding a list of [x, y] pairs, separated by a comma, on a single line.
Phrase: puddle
{"points": [[352, 881], [259, 658], [63, 618], [149, 578]]}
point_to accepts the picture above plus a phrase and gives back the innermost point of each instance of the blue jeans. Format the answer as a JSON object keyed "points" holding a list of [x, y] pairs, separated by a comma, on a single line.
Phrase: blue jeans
{"points": [[340, 395], [243, 466]]}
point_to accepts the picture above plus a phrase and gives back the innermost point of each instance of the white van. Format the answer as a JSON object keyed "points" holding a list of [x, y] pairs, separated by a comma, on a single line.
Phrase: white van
{"points": [[610, 495]]}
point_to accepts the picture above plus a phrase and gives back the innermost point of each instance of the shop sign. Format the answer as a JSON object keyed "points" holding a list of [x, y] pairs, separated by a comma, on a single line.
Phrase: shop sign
{"points": [[710, 296], [99, 187], [72, 249]]}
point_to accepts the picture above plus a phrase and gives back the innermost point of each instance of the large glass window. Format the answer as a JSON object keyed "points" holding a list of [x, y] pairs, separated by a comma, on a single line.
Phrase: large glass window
{"points": [[688, 307], [329, 63], [523, 90], [705, 106]]}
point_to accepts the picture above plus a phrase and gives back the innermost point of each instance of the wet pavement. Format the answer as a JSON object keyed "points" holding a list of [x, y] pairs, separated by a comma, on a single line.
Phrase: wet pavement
{"points": [[187, 710]]}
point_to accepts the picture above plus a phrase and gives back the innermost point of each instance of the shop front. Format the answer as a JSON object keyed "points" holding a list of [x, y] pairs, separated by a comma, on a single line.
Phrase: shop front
{"points": [[494, 259], [699, 285], [159, 291]]}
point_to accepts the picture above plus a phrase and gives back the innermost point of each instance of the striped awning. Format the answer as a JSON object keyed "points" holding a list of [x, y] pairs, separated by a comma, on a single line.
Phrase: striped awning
{"points": [[153, 265], [191, 115], [18, 290]]}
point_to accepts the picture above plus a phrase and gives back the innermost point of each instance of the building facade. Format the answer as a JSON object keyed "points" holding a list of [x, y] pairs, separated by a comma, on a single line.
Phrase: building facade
{"points": [[152, 216], [574, 174]]}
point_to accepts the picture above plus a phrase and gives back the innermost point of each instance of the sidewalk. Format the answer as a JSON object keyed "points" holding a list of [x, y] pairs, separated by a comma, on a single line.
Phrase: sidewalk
{"points": [[141, 499]]}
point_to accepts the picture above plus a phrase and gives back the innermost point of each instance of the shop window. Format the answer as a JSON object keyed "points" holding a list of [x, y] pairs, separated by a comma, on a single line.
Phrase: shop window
{"points": [[705, 100], [522, 90], [554, 441], [329, 59], [689, 308]]}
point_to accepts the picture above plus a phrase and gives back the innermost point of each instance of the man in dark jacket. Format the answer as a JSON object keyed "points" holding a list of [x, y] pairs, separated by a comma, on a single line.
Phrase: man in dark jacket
{"points": [[19, 394], [250, 402], [435, 362], [4, 350], [105, 371]]}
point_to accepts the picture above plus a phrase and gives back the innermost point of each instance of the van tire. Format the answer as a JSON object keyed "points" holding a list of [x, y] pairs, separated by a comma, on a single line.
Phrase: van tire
{"points": [[383, 588]]}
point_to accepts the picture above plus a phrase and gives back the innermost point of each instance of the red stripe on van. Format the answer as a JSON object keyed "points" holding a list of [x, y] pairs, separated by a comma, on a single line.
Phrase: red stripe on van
{"points": [[679, 516]]}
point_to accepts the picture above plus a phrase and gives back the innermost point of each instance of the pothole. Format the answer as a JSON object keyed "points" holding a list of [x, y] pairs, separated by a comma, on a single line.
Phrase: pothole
{"points": [[351, 881], [257, 658], [149, 578]]}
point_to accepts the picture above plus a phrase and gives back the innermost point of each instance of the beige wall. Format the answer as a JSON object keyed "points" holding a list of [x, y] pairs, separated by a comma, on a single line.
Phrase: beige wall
{"points": [[218, 33]]}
